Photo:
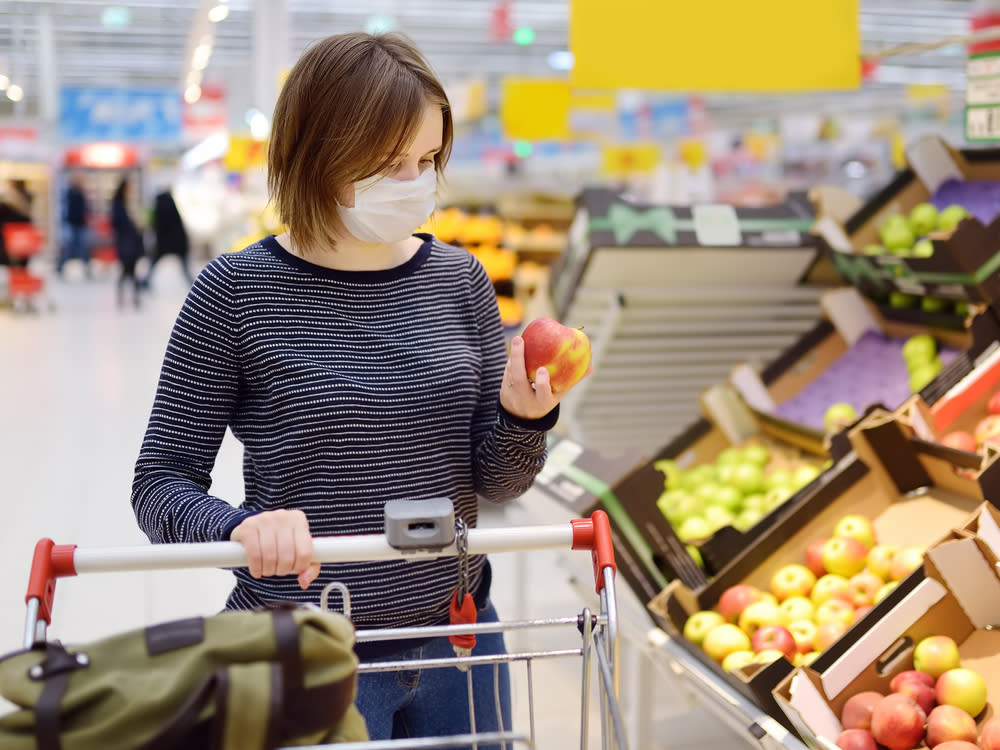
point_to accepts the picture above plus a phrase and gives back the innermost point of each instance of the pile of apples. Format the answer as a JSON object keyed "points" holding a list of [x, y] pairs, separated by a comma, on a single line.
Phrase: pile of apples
{"points": [[987, 430], [809, 605], [923, 364], [738, 489], [906, 236], [933, 705]]}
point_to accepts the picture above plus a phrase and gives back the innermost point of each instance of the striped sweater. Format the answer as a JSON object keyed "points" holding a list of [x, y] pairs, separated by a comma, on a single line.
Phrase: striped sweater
{"points": [[346, 389]]}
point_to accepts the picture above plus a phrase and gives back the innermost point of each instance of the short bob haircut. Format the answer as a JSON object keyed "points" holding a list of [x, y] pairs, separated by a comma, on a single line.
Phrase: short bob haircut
{"points": [[349, 108]]}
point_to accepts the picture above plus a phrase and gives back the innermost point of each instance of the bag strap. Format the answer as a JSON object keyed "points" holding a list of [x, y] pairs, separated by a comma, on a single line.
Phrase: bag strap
{"points": [[248, 707], [56, 669], [286, 637]]}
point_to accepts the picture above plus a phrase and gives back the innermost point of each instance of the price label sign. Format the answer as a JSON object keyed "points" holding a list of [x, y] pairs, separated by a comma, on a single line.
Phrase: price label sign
{"points": [[982, 98]]}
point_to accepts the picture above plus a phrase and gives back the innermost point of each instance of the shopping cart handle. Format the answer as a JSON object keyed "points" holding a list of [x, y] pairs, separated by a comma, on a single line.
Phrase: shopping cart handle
{"points": [[594, 533], [50, 561]]}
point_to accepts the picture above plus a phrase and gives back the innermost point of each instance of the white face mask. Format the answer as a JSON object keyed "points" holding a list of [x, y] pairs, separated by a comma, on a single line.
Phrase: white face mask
{"points": [[388, 210]]}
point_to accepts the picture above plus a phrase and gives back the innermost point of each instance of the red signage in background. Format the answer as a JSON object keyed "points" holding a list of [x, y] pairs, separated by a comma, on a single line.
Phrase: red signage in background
{"points": [[207, 115], [500, 24], [102, 156]]}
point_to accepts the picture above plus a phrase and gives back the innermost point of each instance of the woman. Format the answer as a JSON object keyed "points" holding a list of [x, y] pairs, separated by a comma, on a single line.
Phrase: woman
{"points": [[357, 363], [128, 242]]}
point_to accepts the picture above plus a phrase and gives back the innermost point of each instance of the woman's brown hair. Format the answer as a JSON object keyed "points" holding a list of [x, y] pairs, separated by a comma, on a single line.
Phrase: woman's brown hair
{"points": [[349, 107]]}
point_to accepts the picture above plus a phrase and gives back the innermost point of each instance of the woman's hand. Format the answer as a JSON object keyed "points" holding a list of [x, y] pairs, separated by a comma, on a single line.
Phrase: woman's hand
{"points": [[278, 543], [521, 397]]}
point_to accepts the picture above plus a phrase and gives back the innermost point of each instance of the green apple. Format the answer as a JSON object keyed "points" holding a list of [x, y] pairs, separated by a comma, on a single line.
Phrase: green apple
{"points": [[874, 250], [705, 492], [961, 307], [724, 640], [896, 233], [963, 688], [923, 218], [672, 473], [728, 497], [748, 518], [694, 528], [804, 475], [748, 478], [922, 249], [838, 416], [797, 608], [856, 526], [729, 457], [717, 517], [757, 454], [756, 501], [902, 300], [934, 304], [950, 217], [776, 497], [919, 348], [779, 478], [935, 655], [695, 555], [923, 374], [704, 474], [677, 506], [700, 624]]}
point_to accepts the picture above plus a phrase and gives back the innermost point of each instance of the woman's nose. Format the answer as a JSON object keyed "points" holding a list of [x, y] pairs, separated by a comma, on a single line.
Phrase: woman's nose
{"points": [[407, 172]]}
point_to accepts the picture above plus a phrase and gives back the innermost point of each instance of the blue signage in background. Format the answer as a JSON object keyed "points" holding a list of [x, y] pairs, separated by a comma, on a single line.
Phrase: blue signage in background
{"points": [[123, 115]]}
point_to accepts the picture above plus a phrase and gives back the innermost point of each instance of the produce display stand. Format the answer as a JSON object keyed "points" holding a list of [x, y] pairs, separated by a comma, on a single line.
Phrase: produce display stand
{"points": [[671, 298], [912, 490], [955, 594], [835, 364], [964, 264]]}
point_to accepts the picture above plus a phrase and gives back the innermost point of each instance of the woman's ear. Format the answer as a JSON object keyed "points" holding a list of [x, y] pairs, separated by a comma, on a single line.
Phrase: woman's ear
{"points": [[346, 197]]}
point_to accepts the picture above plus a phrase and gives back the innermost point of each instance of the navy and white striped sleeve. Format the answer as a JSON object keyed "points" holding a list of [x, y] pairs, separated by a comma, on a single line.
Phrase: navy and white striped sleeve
{"points": [[508, 452], [194, 402]]}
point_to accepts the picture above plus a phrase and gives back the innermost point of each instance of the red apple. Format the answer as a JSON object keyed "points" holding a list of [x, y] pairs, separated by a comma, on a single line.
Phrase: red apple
{"points": [[962, 440], [857, 713], [957, 745], [935, 655], [860, 612], [814, 558], [987, 429], [563, 351], [898, 722], [989, 738], [923, 695], [723, 640], [863, 588], [856, 739], [910, 674], [880, 558], [844, 556], [792, 580], [776, 637], [963, 688], [828, 633], [737, 598], [948, 723], [993, 405]]}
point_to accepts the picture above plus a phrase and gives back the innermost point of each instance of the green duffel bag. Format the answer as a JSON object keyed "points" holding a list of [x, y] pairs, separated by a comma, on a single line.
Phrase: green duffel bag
{"points": [[234, 681]]}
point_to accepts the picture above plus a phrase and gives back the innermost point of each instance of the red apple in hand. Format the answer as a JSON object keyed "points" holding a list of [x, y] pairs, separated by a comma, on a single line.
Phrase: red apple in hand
{"points": [[857, 713], [898, 722], [563, 351], [950, 723]]}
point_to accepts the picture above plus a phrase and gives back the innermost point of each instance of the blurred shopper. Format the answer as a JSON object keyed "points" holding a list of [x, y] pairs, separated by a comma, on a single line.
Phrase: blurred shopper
{"points": [[15, 208], [357, 363], [128, 243], [171, 237], [76, 214]]}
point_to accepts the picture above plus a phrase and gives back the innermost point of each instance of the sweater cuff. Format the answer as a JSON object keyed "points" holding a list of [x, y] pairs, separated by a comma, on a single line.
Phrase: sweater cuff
{"points": [[239, 517], [542, 424]]}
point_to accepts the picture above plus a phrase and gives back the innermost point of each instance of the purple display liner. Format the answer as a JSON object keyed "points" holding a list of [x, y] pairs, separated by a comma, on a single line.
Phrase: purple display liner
{"points": [[981, 198], [870, 372]]}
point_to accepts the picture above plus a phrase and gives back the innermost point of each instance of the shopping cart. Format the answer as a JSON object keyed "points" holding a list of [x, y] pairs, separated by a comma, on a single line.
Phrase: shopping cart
{"points": [[23, 241], [412, 535]]}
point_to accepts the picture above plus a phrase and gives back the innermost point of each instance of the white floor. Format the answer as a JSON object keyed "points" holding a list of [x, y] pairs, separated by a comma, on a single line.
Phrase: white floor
{"points": [[76, 385]]}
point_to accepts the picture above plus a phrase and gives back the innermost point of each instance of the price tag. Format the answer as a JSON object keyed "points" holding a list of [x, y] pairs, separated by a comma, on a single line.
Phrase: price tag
{"points": [[982, 123], [716, 225]]}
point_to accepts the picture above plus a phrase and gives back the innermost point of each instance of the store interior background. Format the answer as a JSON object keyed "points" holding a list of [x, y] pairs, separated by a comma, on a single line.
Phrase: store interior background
{"points": [[180, 93]]}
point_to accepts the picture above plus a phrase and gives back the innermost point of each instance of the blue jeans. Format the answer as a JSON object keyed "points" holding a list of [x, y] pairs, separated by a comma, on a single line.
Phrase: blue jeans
{"points": [[434, 702], [77, 246]]}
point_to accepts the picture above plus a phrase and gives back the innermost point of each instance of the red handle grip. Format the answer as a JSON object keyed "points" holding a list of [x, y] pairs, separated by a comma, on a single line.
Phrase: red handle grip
{"points": [[594, 533], [50, 561]]}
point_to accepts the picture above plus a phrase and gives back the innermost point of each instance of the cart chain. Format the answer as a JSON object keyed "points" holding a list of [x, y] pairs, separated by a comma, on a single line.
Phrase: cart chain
{"points": [[462, 545]]}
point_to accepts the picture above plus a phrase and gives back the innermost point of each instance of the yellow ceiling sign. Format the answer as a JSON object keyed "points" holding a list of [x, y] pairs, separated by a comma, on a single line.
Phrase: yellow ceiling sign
{"points": [[722, 45], [244, 153], [534, 109], [619, 161]]}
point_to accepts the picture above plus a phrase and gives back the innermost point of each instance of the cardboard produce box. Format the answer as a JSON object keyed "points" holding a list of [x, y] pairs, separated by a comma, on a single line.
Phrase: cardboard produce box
{"points": [[907, 487], [858, 360], [964, 264], [957, 594]]}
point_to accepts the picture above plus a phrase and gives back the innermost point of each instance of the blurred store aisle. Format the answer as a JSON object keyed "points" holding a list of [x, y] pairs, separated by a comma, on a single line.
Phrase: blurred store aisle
{"points": [[75, 389]]}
